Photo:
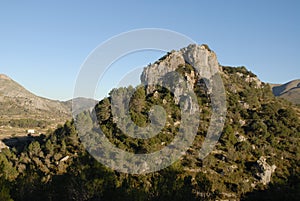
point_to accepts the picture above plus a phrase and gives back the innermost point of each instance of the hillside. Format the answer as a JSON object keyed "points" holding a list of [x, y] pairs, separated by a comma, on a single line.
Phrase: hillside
{"points": [[256, 158], [289, 91], [16, 100], [21, 109]]}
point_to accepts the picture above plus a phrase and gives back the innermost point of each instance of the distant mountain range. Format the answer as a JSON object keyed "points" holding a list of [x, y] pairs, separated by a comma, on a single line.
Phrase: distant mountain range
{"points": [[18, 102], [289, 91]]}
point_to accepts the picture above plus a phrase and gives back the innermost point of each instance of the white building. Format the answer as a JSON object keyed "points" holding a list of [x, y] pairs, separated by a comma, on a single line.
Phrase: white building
{"points": [[30, 131]]}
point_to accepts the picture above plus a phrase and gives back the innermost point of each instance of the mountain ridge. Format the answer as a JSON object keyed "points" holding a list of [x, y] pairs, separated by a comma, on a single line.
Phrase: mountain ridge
{"points": [[289, 91], [17, 104], [13, 92], [11, 88]]}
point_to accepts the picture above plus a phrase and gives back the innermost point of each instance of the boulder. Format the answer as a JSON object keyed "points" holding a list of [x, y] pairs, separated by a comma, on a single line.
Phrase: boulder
{"points": [[264, 170]]}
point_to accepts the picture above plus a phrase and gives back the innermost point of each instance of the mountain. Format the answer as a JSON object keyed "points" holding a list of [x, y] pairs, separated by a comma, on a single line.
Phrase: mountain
{"points": [[289, 91], [256, 158], [21, 108], [16, 100]]}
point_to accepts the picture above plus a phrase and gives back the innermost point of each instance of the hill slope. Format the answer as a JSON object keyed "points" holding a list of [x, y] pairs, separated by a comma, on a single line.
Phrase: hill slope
{"points": [[21, 108], [289, 91], [16, 100]]}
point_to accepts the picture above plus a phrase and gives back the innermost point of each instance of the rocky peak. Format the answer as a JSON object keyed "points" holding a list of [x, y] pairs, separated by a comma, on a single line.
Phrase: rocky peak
{"points": [[199, 56], [202, 58], [203, 61], [198, 62]]}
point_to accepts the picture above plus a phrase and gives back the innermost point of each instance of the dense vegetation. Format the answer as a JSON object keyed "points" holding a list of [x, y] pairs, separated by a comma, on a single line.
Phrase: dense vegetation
{"points": [[25, 123], [57, 167]]}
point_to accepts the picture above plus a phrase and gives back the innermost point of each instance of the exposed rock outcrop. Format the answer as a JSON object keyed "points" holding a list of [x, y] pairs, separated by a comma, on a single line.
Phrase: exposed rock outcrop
{"points": [[163, 72], [199, 56], [265, 170]]}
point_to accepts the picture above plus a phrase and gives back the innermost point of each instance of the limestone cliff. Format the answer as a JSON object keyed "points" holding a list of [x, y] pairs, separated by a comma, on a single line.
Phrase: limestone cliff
{"points": [[200, 57]]}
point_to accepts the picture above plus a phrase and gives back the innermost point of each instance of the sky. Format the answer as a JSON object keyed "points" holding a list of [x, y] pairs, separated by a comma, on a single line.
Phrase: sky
{"points": [[43, 44]]}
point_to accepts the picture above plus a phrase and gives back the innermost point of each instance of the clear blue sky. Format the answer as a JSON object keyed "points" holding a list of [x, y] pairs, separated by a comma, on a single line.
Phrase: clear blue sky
{"points": [[44, 43]]}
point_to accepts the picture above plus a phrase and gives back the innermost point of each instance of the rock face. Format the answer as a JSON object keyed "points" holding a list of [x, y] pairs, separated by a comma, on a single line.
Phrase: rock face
{"points": [[199, 56], [159, 69], [163, 72], [265, 170]]}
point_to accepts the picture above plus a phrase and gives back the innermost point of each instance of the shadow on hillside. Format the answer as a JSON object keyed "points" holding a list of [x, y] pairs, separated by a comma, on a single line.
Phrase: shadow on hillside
{"points": [[284, 88], [290, 191], [20, 142]]}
